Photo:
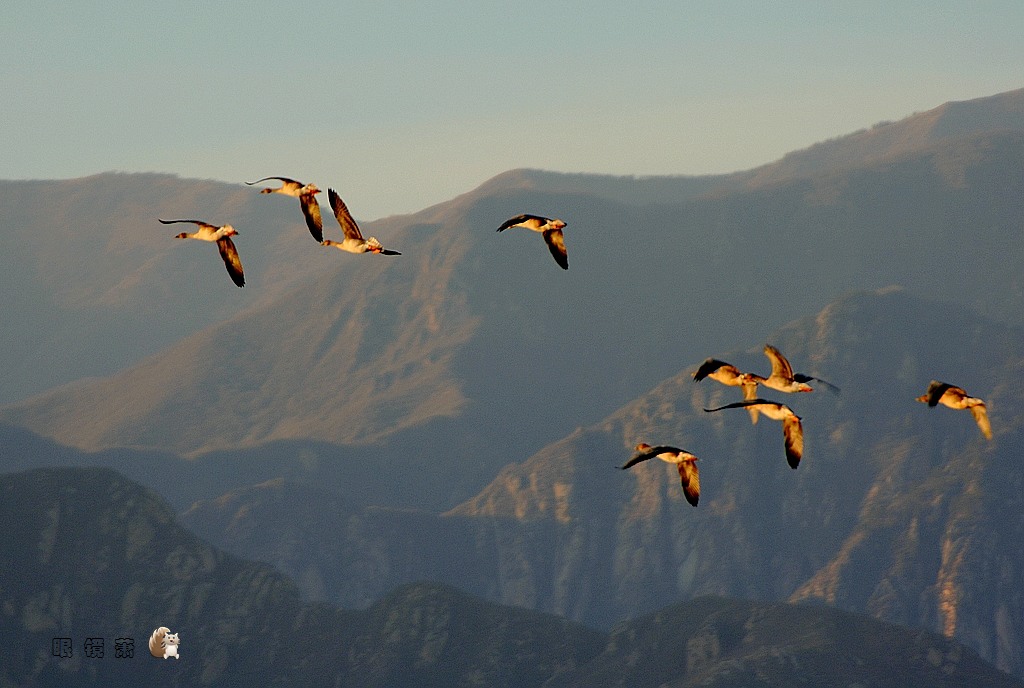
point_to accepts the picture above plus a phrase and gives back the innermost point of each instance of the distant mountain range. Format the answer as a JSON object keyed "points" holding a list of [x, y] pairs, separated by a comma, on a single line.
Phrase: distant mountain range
{"points": [[88, 554], [458, 413], [471, 344], [899, 511]]}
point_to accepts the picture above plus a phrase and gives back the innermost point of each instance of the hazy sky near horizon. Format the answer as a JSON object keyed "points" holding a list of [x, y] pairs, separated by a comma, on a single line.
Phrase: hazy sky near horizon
{"points": [[400, 105]]}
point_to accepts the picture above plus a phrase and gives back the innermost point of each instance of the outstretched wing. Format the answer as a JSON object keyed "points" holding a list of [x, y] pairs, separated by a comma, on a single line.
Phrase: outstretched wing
{"points": [[690, 478], [935, 391], [709, 366], [981, 418], [780, 366], [794, 434], [750, 394], [311, 210], [284, 180], [519, 219], [231, 260], [743, 404], [800, 377], [198, 223], [650, 453], [348, 225], [637, 458], [556, 244]]}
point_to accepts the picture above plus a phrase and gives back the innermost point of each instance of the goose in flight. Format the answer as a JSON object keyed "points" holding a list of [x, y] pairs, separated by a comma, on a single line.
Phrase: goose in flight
{"points": [[956, 398], [550, 228], [684, 461], [222, 235], [730, 376], [720, 371], [306, 193], [354, 241], [783, 378], [792, 429]]}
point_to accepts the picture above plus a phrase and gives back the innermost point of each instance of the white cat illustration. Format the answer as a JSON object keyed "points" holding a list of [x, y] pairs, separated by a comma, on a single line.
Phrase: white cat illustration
{"points": [[171, 645]]}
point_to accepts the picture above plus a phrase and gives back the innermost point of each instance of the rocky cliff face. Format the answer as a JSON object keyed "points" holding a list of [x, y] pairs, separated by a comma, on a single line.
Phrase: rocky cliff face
{"points": [[897, 510]]}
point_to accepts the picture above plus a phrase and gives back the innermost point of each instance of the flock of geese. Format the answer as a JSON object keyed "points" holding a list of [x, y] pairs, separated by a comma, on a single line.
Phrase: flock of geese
{"points": [[353, 241], [782, 378]]}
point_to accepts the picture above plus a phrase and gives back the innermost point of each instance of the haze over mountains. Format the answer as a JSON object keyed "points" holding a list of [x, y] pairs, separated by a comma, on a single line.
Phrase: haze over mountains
{"points": [[470, 337], [344, 417]]}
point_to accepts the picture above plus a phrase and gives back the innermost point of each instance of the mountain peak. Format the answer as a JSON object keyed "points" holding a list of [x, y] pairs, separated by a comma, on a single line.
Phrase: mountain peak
{"points": [[886, 140]]}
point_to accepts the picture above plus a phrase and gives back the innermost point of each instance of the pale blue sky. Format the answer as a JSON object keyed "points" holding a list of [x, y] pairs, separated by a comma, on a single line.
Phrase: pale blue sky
{"points": [[400, 105]]}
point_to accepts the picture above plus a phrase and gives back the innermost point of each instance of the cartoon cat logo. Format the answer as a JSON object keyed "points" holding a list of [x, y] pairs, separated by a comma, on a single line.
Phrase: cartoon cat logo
{"points": [[163, 643]]}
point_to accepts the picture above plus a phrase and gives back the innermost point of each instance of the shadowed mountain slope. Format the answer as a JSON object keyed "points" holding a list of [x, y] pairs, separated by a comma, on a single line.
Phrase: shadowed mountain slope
{"points": [[87, 553], [91, 554], [728, 643]]}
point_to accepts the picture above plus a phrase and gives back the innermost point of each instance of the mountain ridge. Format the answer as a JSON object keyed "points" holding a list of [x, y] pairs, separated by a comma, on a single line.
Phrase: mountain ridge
{"points": [[84, 270], [425, 344], [98, 555], [897, 510]]}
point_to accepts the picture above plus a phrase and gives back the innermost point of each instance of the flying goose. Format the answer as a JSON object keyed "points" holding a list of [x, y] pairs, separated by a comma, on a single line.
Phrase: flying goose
{"points": [[792, 429], [730, 376], [783, 378], [550, 228], [956, 398], [720, 371], [222, 235], [354, 241], [684, 461], [306, 193]]}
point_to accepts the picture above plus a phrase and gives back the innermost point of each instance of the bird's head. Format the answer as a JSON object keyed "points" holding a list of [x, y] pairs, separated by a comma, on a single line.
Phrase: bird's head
{"points": [[643, 446], [923, 399], [229, 231], [556, 224], [183, 235], [310, 189]]}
